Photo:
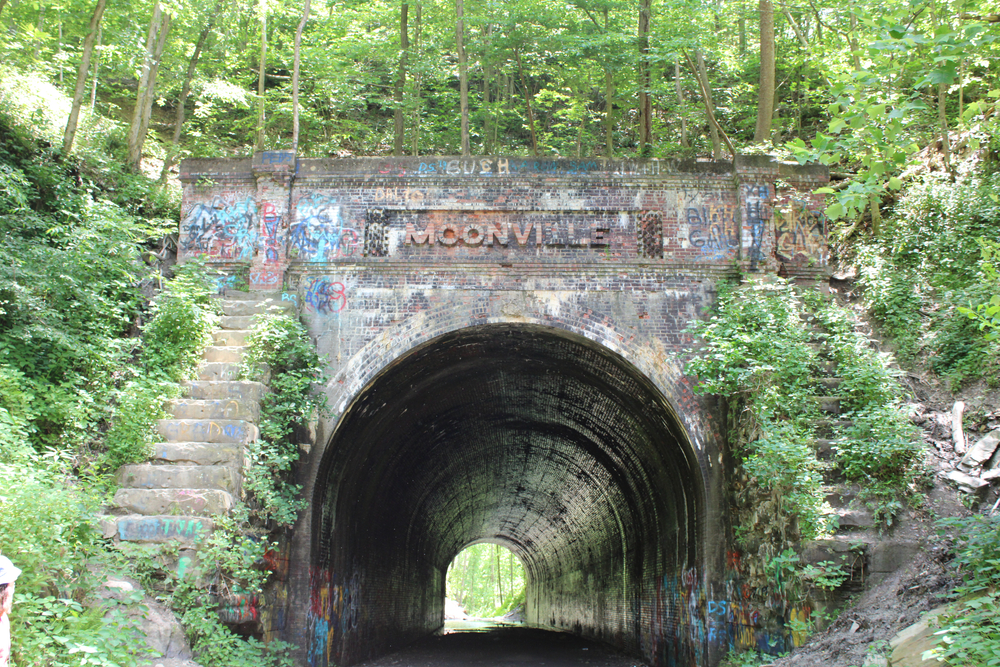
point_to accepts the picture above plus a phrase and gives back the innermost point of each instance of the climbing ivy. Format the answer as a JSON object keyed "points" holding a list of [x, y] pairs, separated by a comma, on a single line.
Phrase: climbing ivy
{"points": [[280, 352]]}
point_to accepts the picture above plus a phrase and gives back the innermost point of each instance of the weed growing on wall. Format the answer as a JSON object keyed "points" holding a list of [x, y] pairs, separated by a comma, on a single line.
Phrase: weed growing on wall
{"points": [[762, 351], [279, 349]]}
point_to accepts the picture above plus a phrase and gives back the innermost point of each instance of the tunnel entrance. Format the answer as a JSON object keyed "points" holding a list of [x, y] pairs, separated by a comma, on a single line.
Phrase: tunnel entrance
{"points": [[532, 437]]}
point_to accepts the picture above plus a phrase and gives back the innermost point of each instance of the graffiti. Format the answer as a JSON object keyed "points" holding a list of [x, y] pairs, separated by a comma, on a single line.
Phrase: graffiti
{"points": [[326, 297], [397, 195], [334, 612], [277, 157], [270, 232], [801, 234], [205, 431], [649, 234], [221, 230], [239, 608], [755, 217], [291, 298], [318, 233], [265, 278], [705, 228], [508, 166], [161, 528]]}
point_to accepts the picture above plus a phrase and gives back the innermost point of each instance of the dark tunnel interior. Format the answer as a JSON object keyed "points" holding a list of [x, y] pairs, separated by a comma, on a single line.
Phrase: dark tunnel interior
{"points": [[533, 437]]}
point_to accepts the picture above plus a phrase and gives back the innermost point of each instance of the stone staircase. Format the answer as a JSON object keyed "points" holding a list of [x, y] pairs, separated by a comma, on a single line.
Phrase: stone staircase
{"points": [[196, 470]]}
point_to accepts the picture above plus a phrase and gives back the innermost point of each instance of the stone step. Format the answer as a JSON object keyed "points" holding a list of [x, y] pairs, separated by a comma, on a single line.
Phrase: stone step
{"points": [[198, 453], [215, 408], [198, 502], [826, 449], [223, 354], [151, 476], [207, 430], [230, 337], [830, 384], [236, 322], [238, 308], [218, 371], [240, 390], [826, 427], [163, 528], [830, 404]]}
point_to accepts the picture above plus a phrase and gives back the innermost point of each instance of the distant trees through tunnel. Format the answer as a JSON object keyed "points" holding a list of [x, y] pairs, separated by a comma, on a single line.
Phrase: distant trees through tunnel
{"points": [[486, 581]]}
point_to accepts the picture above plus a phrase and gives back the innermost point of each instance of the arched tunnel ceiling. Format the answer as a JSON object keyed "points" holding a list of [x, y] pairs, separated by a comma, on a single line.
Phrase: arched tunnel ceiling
{"points": [[529, 436]]}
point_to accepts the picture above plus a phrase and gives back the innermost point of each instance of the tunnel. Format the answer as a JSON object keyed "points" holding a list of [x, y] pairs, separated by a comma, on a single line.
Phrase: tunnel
{"points": [[532, 437]]}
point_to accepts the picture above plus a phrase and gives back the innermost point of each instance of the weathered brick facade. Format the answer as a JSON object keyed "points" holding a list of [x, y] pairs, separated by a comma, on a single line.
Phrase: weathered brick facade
{"points": [[505, 340]]}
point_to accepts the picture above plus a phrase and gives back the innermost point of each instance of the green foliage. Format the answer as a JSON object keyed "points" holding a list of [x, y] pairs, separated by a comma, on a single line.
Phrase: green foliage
{"points": [[214, 644], [987, 315], [49, 531], [279, 348], [972, 635], [931, 262], [487, 580]]}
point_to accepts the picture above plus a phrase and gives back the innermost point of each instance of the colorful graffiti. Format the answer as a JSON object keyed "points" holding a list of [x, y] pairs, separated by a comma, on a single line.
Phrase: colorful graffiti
{"points": [[318, 233], [270, 232], [324, 296], [755, 217], [224, 229], [801, 234], [334, 612], [706, 230], [686, 619]]}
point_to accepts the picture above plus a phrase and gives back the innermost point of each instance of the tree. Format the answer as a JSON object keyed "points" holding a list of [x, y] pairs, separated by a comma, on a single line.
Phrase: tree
{"points": [[295, 77], [404, 48], [156, 40], [645, 102], [463, 74], [81, 76], [765, 91]]}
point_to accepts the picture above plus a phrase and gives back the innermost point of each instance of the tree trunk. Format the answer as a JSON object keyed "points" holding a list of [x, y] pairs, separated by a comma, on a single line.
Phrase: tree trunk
{"points": [[404, 46], [487, 78], [680, 105], [706, 97], [258, 144], [742, 28], [795, 27], [645, 104], [156, 40], [416, 83], [81, 76], [297, 59], [765, 92], [97, 68], [713, 129], [609, 94], [3, 3], [943, 121], [527, 102], [855, 50], [463, 75], [38, 29], [186, 90]]}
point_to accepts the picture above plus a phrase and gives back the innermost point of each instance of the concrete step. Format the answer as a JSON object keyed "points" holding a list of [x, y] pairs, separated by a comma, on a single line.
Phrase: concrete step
{"points": [[207, 430], [240, 390], [243, 307], [223, 354], [830, 404], [826, 449], [827, 427], [236, 322], [150, 476], [230, 337], [216, 408], [163, 528], [198, 453], [218, 371], [830, 384], [198, 502]]}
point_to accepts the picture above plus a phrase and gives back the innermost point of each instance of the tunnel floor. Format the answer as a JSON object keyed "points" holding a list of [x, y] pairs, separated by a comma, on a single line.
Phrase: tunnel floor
{"points": [[505, 646]]}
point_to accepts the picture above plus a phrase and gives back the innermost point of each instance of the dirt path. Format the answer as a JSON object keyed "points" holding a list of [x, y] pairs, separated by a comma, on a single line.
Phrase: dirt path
{"points": [[506, 646]]}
